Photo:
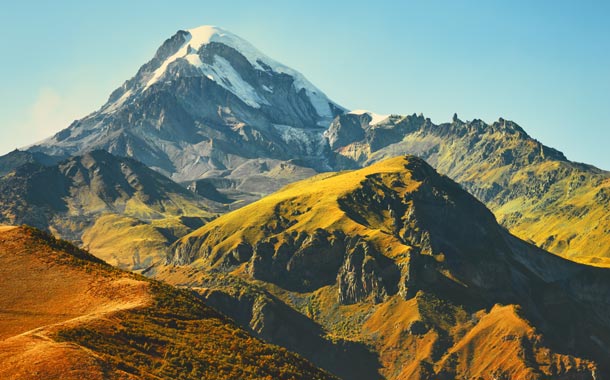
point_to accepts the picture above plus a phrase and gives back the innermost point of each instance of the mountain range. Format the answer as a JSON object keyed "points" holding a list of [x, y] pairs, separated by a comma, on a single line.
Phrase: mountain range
{"points": [[374, 246], [533, 190], [209, 106]]}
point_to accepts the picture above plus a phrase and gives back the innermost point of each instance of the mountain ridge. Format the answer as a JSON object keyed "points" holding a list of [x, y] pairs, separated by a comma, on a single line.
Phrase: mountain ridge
{"points": [[97, 198], [398, 239], [533, 189]]}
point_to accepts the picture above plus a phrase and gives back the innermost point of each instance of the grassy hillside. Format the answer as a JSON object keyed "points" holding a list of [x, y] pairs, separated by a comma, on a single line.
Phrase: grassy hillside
{"points": [[119, 209], [308, 205], [68, 315], [402, 261], [569, 217], [134, 244]]}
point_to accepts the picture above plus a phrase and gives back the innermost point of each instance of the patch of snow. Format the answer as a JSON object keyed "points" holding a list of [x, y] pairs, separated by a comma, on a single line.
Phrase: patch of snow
{"points": [[319, 101], [310, 141], [117, 103], [195, 39], [202, 35], [223, 69], [266, 88], [375, 118], [254, 56], [194, 60], [223, 73]]}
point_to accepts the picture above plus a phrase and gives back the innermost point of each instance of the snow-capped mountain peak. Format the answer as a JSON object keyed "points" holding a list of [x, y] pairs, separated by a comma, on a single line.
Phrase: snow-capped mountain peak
{"points": [[219, 70], [206, 104], [193, 40]]}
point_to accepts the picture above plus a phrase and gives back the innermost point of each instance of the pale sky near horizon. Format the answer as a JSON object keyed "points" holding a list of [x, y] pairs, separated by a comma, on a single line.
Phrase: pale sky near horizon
{"points": [[545, 65]]}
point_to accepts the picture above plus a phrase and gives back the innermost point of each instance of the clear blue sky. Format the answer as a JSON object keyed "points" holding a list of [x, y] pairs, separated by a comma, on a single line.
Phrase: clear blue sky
{"points": [[543, 64]]}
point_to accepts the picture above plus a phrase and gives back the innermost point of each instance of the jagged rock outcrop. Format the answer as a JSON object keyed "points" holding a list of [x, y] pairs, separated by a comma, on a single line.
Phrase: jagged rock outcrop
{"points": [[347, 128], [361, 277]]}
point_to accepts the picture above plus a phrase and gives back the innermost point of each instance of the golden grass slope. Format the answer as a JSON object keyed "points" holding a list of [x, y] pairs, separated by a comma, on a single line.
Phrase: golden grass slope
{"points": [[415, 268], [571, 217], [310, 204], [133, 244], [67, 315]]}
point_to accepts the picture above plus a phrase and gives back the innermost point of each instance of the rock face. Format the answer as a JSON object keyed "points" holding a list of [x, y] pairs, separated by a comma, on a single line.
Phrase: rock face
{"points": [[292, 263], [205, 105], [361, 277], [402, 258]]}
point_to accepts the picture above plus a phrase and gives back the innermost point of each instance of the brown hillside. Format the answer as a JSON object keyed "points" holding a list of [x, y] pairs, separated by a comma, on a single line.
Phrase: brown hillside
{"points": [[67, 315]]}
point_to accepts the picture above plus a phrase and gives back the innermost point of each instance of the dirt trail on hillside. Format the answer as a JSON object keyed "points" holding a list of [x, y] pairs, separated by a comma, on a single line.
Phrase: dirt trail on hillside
{"points": [[39, 295]]}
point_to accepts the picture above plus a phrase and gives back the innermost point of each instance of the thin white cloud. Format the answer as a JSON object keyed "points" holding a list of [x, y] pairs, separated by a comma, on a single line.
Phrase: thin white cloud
{"points": [[48, 114]]}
